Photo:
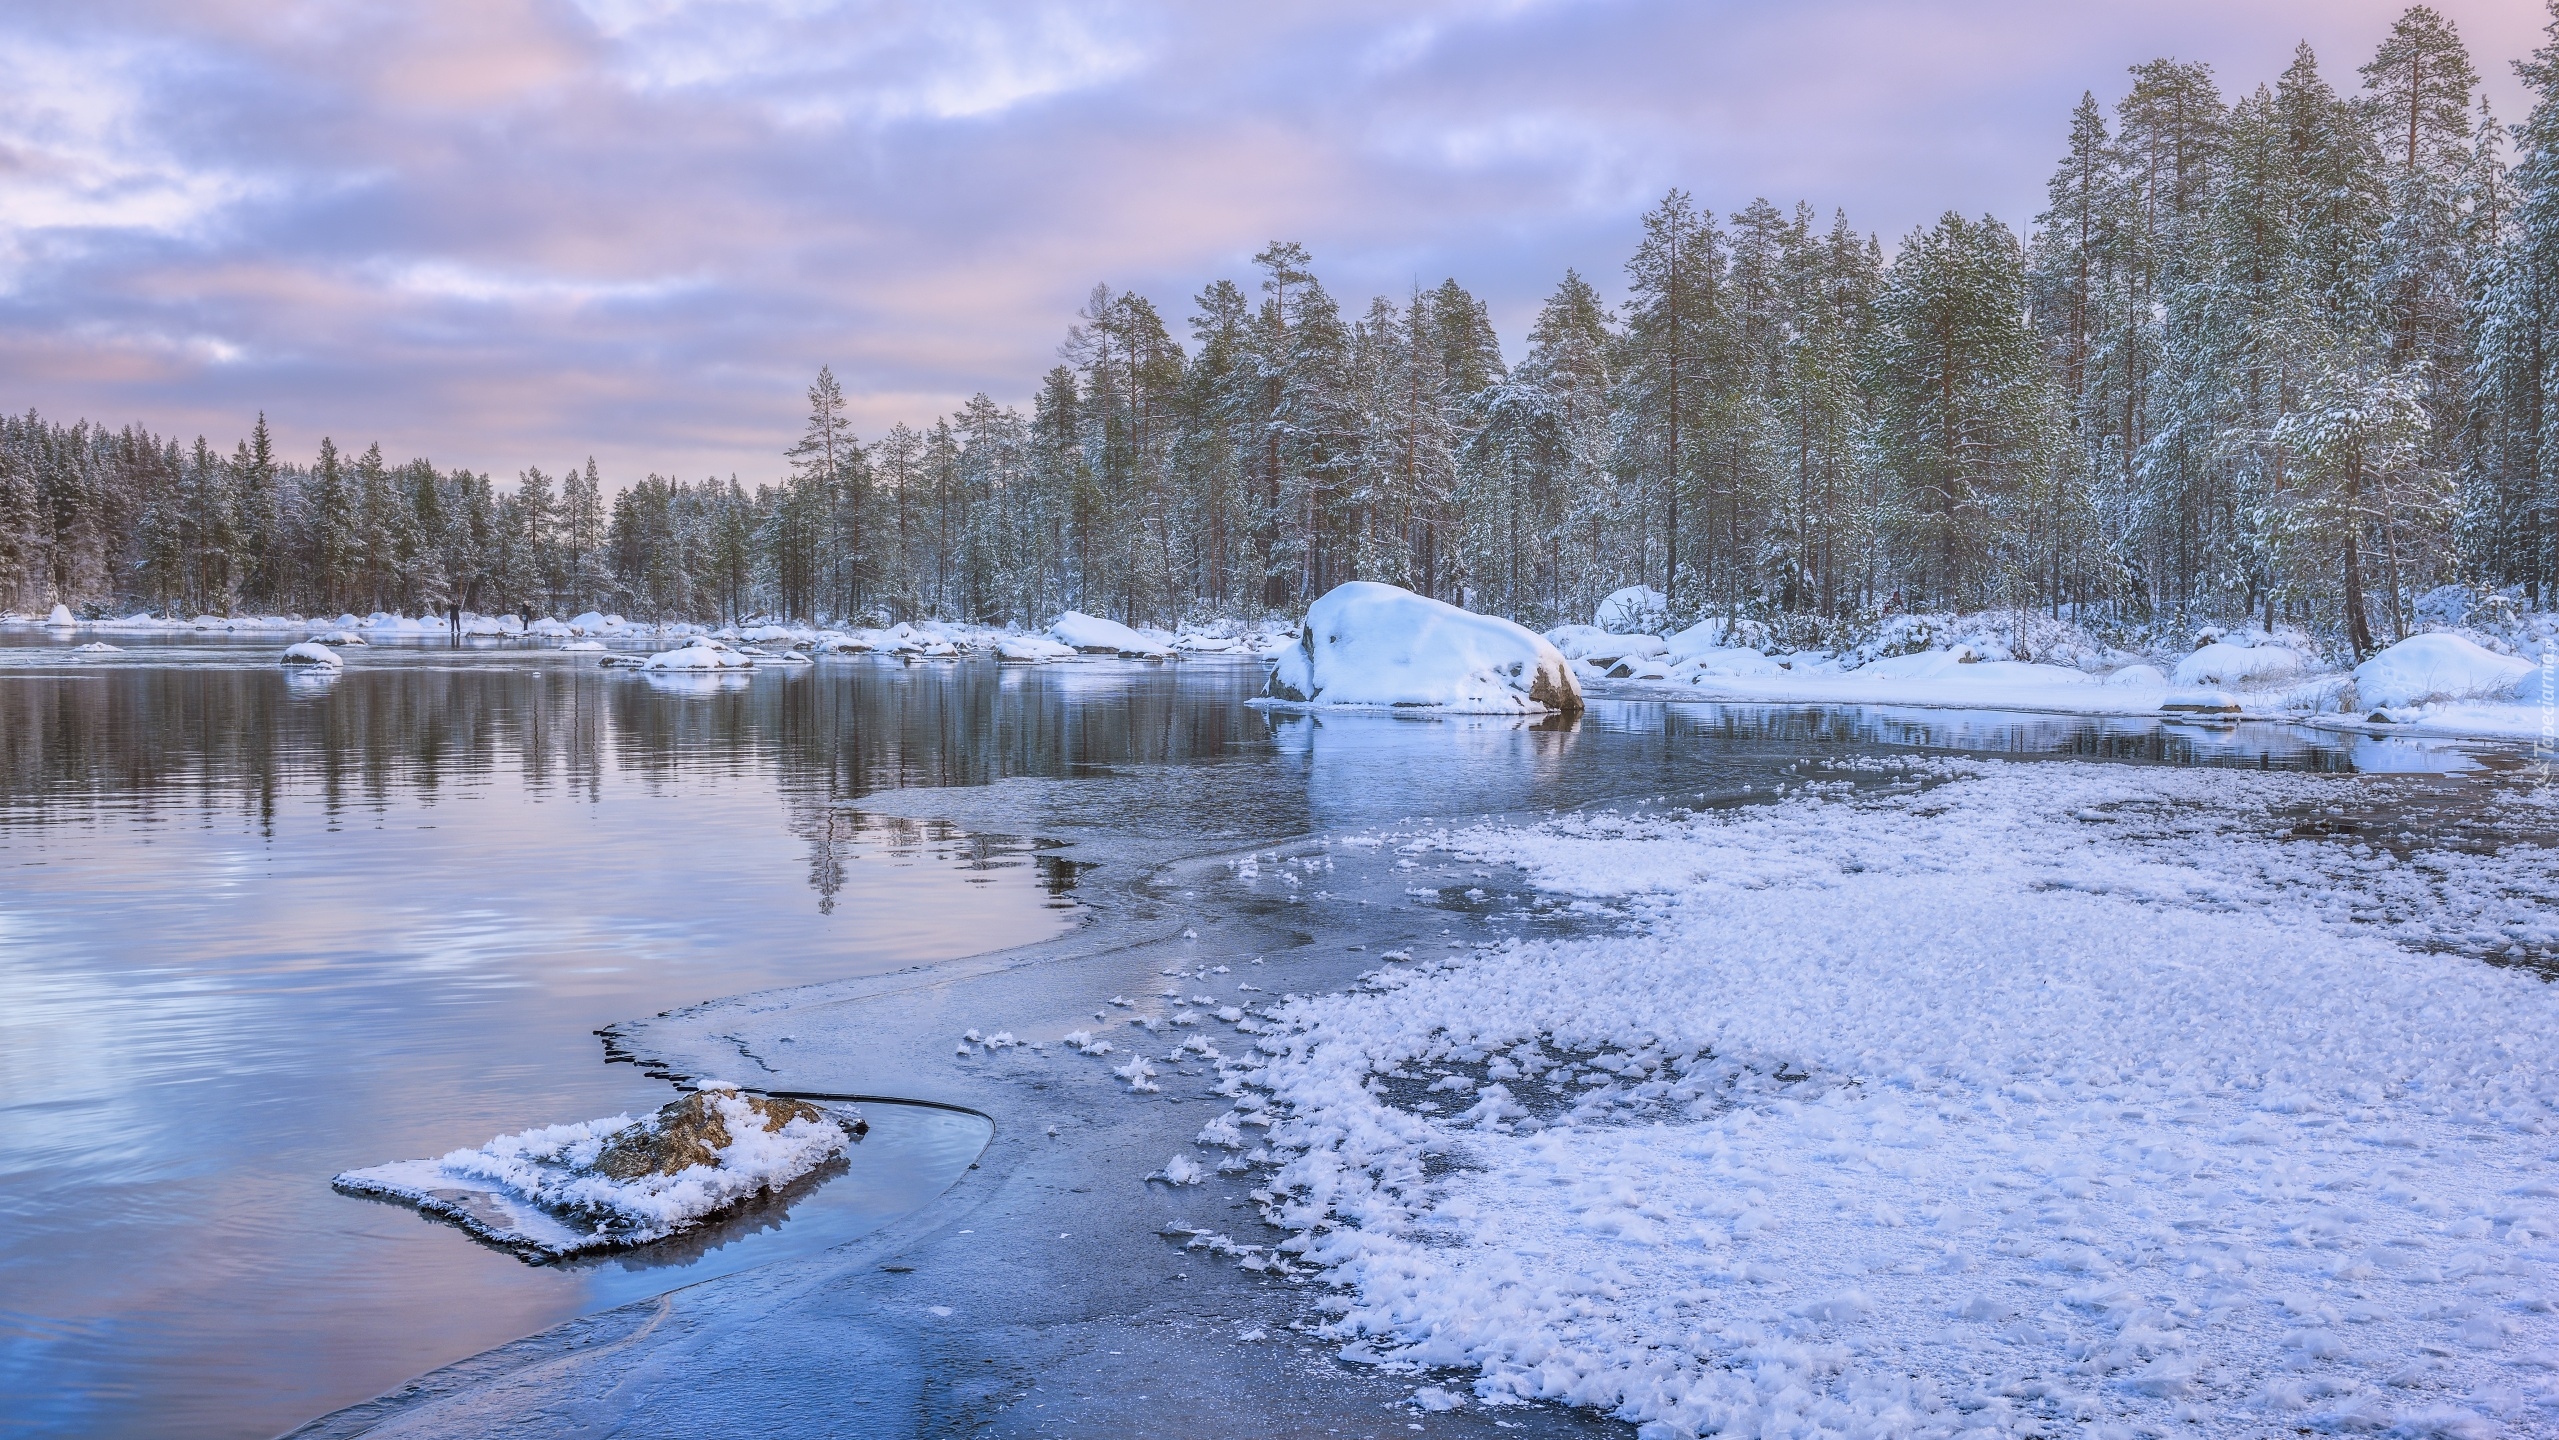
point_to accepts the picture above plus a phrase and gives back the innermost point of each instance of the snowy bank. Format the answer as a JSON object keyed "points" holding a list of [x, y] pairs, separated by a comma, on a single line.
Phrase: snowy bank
{"points": [[1369, 644], [2005, 1100], [611, 1183]]}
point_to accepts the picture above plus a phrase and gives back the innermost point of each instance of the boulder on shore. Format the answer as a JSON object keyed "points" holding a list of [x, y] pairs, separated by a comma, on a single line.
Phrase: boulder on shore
{"points": [[1366, 644]]}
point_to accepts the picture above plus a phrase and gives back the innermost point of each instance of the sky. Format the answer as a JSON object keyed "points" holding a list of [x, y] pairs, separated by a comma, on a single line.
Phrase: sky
{"points": [[500, 233]]}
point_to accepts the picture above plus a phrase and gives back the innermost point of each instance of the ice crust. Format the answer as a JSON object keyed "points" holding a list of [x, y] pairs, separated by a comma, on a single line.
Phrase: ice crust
{"points": [[536, 1191], [2049, 1099]]}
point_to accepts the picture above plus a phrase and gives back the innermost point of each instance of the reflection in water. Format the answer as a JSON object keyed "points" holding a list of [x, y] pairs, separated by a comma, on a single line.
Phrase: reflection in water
{"points": [[259, 928]]}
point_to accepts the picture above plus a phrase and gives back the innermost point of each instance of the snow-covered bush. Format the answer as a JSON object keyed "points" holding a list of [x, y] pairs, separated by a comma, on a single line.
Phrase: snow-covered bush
{"points": [[1637, 609]]}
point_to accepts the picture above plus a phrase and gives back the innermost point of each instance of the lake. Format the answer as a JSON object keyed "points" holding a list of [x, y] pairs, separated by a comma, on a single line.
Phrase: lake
{"points": [[257, 928]]}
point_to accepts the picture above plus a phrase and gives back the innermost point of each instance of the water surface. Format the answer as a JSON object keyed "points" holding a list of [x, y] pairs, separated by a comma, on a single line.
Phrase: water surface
{"points": [[256, 928]]}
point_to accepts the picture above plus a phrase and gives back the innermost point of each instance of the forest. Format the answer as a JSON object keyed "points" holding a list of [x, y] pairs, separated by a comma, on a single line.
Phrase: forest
{"points": [[2284, 356]]}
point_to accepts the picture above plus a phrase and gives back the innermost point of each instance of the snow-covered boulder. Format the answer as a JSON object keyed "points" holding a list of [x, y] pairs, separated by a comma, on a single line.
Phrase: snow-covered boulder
{"points": [[701, 655], [340, 637], [2199, 700], [307, 653], [2145, 676], [1032, 649], [98, 647], [1734, 661], [1637, 608], [585, 646], [60, 617], [2222, 663], [1369, 644], [2426, 668], [612, 1183], [1094, 635]]}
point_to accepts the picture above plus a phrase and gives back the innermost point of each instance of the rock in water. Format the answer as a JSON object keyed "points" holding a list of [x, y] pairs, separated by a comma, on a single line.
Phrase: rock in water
{"points": [[691, 1131], [1369, 644], [607, 1184]]}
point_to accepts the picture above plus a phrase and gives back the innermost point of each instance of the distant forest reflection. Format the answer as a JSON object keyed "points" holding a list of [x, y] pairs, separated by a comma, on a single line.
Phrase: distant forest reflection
{"points": [[204, 741]]}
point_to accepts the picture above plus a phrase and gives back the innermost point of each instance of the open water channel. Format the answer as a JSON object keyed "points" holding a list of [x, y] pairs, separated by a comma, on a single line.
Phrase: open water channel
{"points": [[257, 928]]}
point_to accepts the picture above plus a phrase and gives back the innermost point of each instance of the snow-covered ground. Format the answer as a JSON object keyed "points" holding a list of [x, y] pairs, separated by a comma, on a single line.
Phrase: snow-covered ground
{"points": [[2432, 682], [1960, 1099]]}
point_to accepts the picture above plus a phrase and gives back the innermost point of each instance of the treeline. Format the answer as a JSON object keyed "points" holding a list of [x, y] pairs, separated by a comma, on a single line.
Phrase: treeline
{"points": [[2288, 356]]}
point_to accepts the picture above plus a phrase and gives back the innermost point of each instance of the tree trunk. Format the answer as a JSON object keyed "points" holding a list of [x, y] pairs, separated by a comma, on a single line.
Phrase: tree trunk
{"points": [[2358, 627]]}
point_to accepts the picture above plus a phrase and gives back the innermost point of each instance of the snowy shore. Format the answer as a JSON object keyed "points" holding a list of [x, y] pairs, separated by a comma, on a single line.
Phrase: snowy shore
{"points": [[2030, 1096]]}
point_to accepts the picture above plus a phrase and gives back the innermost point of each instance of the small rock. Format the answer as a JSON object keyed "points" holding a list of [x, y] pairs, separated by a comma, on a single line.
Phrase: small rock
{"points": [[691, 1131]]}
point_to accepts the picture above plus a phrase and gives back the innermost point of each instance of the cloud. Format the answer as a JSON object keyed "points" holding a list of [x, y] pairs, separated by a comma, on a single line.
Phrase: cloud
{"points": [[504, 232]]}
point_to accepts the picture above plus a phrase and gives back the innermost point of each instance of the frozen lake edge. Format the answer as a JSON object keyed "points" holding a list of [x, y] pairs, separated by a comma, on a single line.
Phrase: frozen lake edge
{"points": [[985, 1284]]}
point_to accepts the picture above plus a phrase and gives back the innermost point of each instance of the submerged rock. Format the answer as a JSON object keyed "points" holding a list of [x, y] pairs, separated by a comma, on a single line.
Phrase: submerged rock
{"points": [[692, 1131]]}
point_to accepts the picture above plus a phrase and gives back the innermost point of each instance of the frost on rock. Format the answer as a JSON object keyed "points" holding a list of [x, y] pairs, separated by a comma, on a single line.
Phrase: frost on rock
{"points": [[613, 1183], [2055, 1100], [1368, 644]]}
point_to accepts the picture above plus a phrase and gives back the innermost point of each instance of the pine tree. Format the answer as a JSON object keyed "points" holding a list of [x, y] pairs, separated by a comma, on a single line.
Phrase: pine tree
{"points": [[581, 538], [1667, 379], [1966, 413], [337, 563]]}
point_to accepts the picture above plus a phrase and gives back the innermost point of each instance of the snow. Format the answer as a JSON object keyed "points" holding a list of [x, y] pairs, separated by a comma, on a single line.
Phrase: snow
{"points": [[1634, 609], [60, 616], [1367, 644], [536, 1190], [702, 655], [2200, 700], [339, 637], [584, 646], [1032, 649], [1093, 633], [2425, 669], [1733, 661], [2035, 1099], [2222, 663], [307, 653], [98, 647]]}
